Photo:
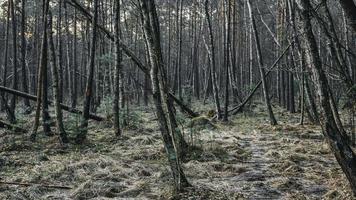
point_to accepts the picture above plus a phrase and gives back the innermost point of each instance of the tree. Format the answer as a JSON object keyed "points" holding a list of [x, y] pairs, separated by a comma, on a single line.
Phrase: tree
{"points": [[272, 119], [89, 85], [227, 7], [10, 114], [56, 86], [160, 92], [118, 59], [23, 56], [212, 56], [14, 42], [41, 68], [178, 68], [349, 8], [338, 143]]}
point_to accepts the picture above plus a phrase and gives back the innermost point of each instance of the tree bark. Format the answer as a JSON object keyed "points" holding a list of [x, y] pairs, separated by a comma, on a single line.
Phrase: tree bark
{"points": [[118, 68], [41, 67], [227, 47], [273, 120], [89, 86], [14, 68], [10, 115], [23, 56], [349, 8], [213, 62], [338, 143], [56, 86], [162, 101]]}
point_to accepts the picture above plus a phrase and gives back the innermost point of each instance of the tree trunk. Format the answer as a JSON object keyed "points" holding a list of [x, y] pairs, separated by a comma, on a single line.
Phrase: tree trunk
{"points": [[63, 107], [41, 69], [14, 42], [349, 8], [89, 85], [273, 120], [23, 56], [4, 105], [161, 97], [227, 56], [74, 81], [46, 119], [56, 86], [213, 62], [118, 58], [338, 143]]}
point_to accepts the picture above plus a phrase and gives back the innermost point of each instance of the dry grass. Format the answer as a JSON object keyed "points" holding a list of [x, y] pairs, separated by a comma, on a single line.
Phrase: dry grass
{"points": [[244, 159]]}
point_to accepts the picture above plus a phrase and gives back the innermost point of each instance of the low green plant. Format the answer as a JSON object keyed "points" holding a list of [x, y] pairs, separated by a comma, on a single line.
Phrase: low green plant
{"points": [[131, 120]]}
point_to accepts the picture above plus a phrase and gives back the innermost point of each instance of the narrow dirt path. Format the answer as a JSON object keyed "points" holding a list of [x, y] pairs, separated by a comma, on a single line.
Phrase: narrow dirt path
{"points": [[259, 172], [288, 161]]}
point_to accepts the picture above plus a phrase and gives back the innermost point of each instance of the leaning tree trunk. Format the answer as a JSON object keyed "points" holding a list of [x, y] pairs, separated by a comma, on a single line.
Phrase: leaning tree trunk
{"points": [[42, 65], [338, 143], [273, 120], [160, 92], [131, 55], [213, 62]]}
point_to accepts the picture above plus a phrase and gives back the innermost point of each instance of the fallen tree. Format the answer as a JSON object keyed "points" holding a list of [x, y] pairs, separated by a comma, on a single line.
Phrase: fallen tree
{"points": [[63, 107], [11, 127], [239, 107], [185, 109]]}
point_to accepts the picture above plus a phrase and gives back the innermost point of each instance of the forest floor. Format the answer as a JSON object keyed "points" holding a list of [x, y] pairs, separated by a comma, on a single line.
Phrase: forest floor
{"points": [[243, 159]]}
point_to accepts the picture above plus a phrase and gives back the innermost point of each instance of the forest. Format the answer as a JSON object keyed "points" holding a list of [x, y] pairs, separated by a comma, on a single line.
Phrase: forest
{"points": [[177, 99]]}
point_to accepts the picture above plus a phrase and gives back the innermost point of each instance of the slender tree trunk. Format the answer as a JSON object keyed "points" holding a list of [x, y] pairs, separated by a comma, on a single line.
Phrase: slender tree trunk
{"points": [[273, 120], [41, 69], [23, 56], [14, 42], [46, 119], [160, 92], [75, 64], [68, 73], [213, 62], [118, 58], [4, 103], [56, 86], [338, 143], [60, 51], [179, 24], [89, 85], [349, 8], [227, 56]]}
